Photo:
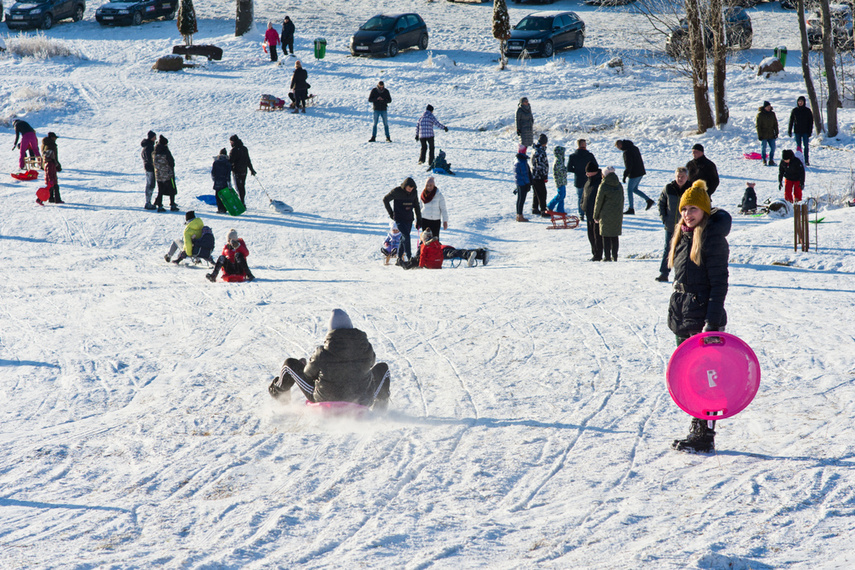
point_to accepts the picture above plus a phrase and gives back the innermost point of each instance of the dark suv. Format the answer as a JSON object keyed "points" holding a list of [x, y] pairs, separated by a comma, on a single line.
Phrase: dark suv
{"points": [[841, 25], [389, 33], [43, 13], [542, 33], [135, 11], [738, 33]]}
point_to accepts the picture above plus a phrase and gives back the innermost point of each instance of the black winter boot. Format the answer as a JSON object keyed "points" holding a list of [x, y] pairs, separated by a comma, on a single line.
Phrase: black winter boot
{"points": [[701, 438]]}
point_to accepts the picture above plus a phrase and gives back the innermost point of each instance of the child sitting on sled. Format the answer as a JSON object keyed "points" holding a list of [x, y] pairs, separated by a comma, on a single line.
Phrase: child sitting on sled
{"points": [[440, 165], [342, 370], [431, 253], [749, 200], [232, 261], [392, 242], [197, 241]]}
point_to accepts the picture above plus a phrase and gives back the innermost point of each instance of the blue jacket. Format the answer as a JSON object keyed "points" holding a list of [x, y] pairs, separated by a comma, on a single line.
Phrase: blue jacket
{"points": [[221, 172], [522, 173]]}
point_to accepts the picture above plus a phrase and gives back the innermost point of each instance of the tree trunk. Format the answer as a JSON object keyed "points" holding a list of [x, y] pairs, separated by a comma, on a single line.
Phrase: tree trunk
{"points": [[698, 62], [814, 102], [503, 61], [828, 59], [243, 17], [716, 19]]}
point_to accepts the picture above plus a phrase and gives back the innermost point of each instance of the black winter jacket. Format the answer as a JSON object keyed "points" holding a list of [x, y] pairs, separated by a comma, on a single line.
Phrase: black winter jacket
{"points": [[801, 121], [669, 205], [699, 291], [576, 164], [405, 203], [239, 158], [632, 160], [146, 154], [288, 30], [380, 100], [341, 368], [589, 194], [221, 172], [299, 81], [791, 170], [702, 168]]}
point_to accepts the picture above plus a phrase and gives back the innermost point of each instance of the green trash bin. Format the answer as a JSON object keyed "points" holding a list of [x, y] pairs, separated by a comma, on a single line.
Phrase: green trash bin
{"points": [[320, 48], [781, 55]]}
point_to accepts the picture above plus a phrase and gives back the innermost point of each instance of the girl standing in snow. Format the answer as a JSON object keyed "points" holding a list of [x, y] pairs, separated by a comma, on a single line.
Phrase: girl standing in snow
{"points": [[608, 213], [559, 175], [434, 212], [50, 157], [699, 257], [271, 40], [522, 177]]}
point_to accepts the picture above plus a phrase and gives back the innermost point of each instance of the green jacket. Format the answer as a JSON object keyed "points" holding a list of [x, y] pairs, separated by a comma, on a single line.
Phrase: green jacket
{"points": [[608, 208], [559, 170], [767, 125], [192, 230]]}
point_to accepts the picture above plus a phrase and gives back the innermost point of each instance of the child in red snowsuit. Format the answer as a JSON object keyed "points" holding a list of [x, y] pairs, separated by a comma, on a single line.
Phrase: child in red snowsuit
{"points": [[432, 253], [232, 261]]}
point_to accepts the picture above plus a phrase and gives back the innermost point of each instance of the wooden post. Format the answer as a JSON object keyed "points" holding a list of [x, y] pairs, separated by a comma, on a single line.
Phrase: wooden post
{"points": [[801, 229]]}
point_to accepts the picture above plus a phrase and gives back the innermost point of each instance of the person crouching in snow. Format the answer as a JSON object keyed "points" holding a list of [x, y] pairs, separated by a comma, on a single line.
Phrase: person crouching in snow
{"points": [[791, 174], [29, 141], [232, 261], [342, 370], [52, 166], [391, 243], [432, 253], [699, 257]]}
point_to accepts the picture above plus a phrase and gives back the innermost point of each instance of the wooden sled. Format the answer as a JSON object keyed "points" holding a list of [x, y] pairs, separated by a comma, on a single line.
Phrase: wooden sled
{"points": [[34, 162], [562, 221]]}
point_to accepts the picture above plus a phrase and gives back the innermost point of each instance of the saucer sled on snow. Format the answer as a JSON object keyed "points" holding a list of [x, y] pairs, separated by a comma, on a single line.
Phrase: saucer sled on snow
{"points": [[28, 175], [43, 194], [713, 375]]}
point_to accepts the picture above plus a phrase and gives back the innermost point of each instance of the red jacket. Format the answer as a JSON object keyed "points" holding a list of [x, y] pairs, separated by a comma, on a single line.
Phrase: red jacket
{"points": [[229, 253], [430, 254], [271, 37]]}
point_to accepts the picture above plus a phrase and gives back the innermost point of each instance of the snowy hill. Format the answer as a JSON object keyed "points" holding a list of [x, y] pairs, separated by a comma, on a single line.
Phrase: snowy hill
{"points": [[530, 424]]}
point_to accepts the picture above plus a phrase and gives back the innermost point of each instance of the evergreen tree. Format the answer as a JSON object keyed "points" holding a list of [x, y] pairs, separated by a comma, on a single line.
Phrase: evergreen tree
{"points": [[187, 21], [501, 29]]}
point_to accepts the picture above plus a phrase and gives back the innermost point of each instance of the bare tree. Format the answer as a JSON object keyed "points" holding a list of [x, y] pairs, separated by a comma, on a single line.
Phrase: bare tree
{"points": [[698, 62], [828, 59], [243, 17], [719, 53], [814, 102], [501, 29]]}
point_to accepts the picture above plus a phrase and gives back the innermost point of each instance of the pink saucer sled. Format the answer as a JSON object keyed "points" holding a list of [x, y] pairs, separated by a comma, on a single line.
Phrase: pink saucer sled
{"points": [[339, 408], [713, 375]]}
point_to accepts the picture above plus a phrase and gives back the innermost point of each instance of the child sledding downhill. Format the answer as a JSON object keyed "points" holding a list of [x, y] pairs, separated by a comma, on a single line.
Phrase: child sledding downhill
{"points": [[232, 261], [197, 242]]}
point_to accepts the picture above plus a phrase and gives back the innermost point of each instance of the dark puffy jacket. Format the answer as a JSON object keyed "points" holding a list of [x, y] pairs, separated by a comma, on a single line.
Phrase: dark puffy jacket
{"points": [[576, 164], [792, 169], [288, 29], [589, 194], [299, 81], [522, 173], [146, 154], [380, 99], [540, 163], [632, 160], [164, 164], [341, 368], [669, 204], [702, 168], [700, 290], [405, 203], [221, 172], [239, 158], [767, 125], [801, 121]]}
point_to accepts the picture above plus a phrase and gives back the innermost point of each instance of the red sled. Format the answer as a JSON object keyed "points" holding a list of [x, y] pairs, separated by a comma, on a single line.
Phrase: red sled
{"points": [[234, 278], [339, 409], [28, 175], [752, 155], [43, 194], [562, 221]]}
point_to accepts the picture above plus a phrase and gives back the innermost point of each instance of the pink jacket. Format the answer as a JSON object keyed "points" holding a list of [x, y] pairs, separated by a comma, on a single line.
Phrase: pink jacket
{"points": [[271, 37]]}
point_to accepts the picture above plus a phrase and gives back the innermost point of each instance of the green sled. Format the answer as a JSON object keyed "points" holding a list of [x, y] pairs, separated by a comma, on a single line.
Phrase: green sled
{"points": [[231, 201]]}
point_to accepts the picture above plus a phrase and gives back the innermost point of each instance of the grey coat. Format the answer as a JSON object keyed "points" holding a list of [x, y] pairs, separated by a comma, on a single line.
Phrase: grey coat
{"points": [[525, 125], [608, 208], [341, 368]]}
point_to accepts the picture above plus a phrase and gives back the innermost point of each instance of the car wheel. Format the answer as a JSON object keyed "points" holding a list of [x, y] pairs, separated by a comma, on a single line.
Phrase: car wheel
{"points": [[170, 15], [548, 50], [78, 14], [580, 40], [137, 19], [423, 42], [47, 22], [392, 50]]}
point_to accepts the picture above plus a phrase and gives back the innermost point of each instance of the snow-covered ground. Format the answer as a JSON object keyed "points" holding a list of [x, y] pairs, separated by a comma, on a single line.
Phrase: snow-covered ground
{"points": [[530, 424]]}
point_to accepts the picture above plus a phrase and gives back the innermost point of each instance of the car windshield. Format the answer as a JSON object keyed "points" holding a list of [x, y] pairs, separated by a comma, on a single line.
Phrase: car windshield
{"points": [[534, 24], [378, 24]]}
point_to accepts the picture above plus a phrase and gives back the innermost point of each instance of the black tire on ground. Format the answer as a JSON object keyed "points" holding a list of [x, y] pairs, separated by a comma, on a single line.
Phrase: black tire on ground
{"points": [[423, 42], [580, 40], [170, 15], [78, 13], [47, 21], [137, 18], [548, 49], [392, 50]]}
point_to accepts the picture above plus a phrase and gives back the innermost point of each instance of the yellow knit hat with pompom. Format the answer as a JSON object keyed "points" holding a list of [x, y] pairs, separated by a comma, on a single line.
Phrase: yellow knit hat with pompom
{"points": [[697, 196]]}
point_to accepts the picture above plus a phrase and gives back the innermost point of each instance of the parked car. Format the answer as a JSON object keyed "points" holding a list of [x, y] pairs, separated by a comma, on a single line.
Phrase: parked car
{"points": [[543, 33], [538, 1], [841, 23], [388, 34], [43, 13], [738, 33], [134, 12]]}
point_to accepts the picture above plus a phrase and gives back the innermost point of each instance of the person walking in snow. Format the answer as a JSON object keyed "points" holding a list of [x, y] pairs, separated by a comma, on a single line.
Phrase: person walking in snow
{"points": [[525, 123], [633, 172], [405, 200], [669, 211], [424, 133], [701, 168], [577, 164], [434, 211], [539, 177], [380, 99], [608, 213], [164, 172], [29, 141], [241, 163], [699, 256], [300, 87], [791, 174], [147, 155], [559, 176], [271, 40], [50, 158], [589, 198], [801, 124], [343, 369], [767, 131], [189, 244], [221, 174], [232, 261], [522, 178], [287, 37]]}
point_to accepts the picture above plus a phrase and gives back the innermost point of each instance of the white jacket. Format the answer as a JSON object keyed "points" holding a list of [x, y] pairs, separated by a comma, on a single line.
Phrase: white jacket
{"points": [[435, 209]]}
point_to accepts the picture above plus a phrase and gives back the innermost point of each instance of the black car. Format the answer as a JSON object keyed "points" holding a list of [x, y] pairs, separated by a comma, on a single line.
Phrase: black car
{"points": [[841, 25], [43, 13], [389, 33], [738, 33], [544, 32], [134, 12]]}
